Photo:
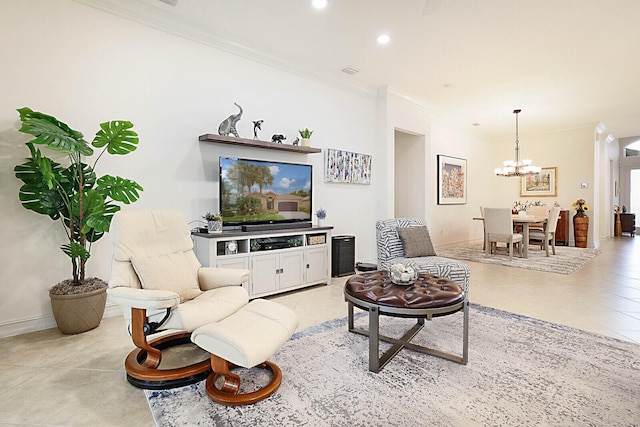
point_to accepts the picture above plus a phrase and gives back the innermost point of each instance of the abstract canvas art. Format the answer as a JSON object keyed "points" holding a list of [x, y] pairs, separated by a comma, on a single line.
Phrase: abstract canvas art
{"points": [[347, 167], [452, 180]]}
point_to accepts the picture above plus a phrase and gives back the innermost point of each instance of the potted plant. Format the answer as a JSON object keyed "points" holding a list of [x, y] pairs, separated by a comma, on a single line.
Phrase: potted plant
{"points": [[214, 222], [321, 214], [305, 134], [83, 204]]}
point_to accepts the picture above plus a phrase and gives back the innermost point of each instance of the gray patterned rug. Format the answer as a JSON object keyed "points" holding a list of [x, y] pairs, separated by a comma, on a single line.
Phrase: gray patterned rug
{"points": [[521, 372], [566, 260]]}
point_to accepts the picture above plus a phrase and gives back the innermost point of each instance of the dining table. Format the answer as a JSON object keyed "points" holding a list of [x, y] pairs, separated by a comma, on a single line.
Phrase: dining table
{"points": [[525, 221]]}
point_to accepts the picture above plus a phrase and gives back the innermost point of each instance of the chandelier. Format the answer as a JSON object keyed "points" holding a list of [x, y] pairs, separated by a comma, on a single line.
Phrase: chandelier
{"points": [[517, 167]]}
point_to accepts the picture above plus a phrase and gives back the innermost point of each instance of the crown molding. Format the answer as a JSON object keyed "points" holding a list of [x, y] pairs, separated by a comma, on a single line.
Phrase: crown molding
{"points": [[403, 97], [164, 19]]}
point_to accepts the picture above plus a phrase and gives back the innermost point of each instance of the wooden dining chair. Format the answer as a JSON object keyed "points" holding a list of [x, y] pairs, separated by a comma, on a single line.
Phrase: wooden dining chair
{"points": [[498, 225], [549, 232]]}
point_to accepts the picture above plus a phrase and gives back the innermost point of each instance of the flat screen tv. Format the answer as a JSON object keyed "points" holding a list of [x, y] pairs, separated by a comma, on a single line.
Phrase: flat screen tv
{"points": [[263, 192]]}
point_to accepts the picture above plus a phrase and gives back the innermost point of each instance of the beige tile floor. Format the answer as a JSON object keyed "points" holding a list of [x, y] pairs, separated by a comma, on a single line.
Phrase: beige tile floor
{"points": [[48, 379]]}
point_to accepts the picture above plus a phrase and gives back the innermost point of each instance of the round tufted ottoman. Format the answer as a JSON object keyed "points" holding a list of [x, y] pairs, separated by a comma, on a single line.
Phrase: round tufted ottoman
{"points": [[247, 338], [429, 296]]}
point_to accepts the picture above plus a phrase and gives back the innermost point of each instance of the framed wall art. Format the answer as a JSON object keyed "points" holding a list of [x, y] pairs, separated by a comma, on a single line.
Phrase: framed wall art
{"points": [[347, 167], [544, 184], [452, 180]]}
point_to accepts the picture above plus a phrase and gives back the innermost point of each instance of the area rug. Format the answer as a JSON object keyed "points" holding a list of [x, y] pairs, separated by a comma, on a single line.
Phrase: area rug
{"points": [[521, 372], [566, 260]]}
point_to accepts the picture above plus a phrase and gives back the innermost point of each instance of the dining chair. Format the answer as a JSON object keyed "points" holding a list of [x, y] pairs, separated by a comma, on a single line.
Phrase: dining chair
{"points": [[541, 211], [549, 232], [498, 225], [538, 211]]}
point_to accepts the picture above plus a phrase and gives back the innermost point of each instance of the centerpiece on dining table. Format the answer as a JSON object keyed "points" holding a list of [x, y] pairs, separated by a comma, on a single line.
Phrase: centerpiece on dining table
{"points": [[521, 208]]}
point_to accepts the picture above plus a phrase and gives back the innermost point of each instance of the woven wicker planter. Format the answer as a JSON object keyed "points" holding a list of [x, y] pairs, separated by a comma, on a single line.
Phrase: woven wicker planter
{"points": [[80, 312]]}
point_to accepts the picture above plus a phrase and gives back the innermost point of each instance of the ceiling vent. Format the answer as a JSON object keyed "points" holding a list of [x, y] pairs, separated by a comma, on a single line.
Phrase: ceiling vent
{"points": [[171, 2], [349, 70]]}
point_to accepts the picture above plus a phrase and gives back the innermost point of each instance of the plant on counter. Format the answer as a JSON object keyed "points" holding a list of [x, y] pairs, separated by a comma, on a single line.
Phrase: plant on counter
{"points": [[213, 216], [305, 133], [321, 213]]}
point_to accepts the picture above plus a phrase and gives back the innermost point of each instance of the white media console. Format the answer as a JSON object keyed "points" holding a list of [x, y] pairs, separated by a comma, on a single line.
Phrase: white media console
{"points": [[279, 260]]}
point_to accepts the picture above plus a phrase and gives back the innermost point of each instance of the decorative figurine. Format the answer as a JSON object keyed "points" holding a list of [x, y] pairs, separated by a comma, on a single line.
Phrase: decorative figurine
{"points": [[228, 125], [278, 138], [296, 141], [257, 125]]}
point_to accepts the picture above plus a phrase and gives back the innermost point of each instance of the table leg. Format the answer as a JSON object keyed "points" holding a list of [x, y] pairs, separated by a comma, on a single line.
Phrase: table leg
{"points": [[465, 334], [350, 316], [377, 361], [525, 239], [374, 340]]}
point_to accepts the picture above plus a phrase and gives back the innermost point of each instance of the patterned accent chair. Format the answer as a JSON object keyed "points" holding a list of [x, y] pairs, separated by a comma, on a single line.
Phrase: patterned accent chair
{"points": [[391, 251]]}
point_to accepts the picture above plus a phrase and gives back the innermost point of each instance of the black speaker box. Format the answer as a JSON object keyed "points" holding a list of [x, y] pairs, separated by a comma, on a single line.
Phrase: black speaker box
{"points": [[343, 255]]}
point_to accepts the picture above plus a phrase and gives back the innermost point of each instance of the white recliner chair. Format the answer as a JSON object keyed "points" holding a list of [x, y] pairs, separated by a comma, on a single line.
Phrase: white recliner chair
{"points": [[167, 295]]}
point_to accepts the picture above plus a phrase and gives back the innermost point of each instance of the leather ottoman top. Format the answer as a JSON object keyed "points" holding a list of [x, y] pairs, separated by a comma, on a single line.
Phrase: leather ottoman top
{"points": [[427, 292]]}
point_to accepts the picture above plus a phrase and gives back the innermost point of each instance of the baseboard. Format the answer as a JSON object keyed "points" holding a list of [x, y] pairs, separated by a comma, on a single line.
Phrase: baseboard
{"points": [[40, 323]]}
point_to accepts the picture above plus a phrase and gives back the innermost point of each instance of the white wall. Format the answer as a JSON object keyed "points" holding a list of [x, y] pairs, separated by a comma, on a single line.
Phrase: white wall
{"points": [[454, 224], [85, 67]]}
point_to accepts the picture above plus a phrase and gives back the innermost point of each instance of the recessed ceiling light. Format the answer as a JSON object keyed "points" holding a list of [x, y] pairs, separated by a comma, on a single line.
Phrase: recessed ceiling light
{"points": [[383, 39], [319, 4], [475, 124]]}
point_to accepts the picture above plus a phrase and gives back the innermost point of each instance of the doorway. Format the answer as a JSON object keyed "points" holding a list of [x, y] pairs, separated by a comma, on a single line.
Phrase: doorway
{"points": [[634, 191], [409, 175]]}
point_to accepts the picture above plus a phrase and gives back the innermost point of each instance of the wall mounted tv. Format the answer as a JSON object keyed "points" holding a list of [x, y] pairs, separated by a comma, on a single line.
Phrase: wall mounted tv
{"points": [[263, 192]]}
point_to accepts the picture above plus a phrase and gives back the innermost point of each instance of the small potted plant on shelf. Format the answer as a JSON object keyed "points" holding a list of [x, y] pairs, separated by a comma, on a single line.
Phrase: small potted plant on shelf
{"points": [[305, 134], [214, 222], [321, 214], [83, 203]]}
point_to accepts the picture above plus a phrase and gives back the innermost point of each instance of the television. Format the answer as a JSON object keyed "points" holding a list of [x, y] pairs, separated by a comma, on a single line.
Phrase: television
{"points": [[264, 192]]}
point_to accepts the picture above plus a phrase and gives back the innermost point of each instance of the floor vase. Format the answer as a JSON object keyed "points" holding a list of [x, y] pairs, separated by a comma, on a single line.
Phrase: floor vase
{"points": [[580, 230]]}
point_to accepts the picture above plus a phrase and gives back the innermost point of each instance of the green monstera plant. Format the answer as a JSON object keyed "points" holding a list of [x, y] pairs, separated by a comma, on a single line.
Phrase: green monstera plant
{"points": [[73, 194]]}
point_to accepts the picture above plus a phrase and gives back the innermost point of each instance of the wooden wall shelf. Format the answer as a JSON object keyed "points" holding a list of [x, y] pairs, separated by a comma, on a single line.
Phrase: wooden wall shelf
{"points": [[220, 139]]}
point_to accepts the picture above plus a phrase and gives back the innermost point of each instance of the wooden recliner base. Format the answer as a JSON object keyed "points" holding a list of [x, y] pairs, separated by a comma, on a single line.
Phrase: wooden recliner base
{"points": [[228, 393], [142, 372], [143, 362]]}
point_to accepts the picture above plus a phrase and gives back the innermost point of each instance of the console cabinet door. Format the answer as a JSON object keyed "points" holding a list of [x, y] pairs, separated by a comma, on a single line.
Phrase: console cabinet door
{"points": [[291, 269], [316, 264], [264, 273], [233, 262]]}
